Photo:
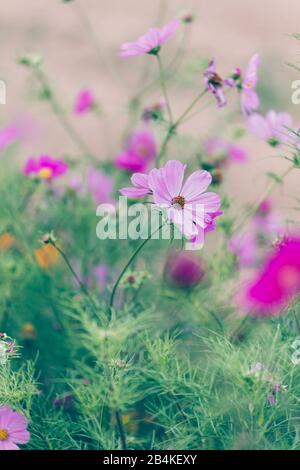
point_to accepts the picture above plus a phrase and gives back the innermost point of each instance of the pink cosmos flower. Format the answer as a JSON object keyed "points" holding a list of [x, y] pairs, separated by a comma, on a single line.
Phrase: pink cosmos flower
{"points": [[84, 102], [184, 269], [139, 153], [151, 42], [249, 97], [223, 150], [187, 205], [13, 429], [273, 128], [100, 186], [45, 167], [277, 283], [263, 230], [215, 84]]}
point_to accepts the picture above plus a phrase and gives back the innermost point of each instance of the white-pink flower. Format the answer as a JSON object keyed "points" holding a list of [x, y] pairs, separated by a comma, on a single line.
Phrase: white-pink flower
{"points": [[274, 128], [249, 97], [188, 206], [150, 42]]}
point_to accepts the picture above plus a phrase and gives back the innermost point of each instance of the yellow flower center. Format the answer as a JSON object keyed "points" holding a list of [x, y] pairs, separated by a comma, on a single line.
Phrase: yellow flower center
{"points": [[249, 84], [3, 435], [178, 202], [45, 173]]}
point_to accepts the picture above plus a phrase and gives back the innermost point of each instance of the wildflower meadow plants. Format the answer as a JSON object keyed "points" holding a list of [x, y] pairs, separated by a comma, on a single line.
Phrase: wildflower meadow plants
{"points": [[178, 333]]}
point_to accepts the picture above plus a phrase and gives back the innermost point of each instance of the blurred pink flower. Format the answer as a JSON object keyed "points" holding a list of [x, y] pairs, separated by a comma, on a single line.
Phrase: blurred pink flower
{"points": [[150, 42], [84, 102], [45, 167], [224, 150], [100, 275], [215, 84], [274, 128], [100, 186], [155, 110], [244, 247], [264, 229], [187, 205], [184, 269], [8, 135], [277, 283], [13, 429], [139, 153], [249, 97]]}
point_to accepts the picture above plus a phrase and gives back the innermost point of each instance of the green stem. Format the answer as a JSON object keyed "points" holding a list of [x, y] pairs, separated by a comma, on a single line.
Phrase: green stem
{"points": [[121, 430], [132, 258], [164, 145], [76, 277], [173, 126], [164, 88], [189, 108], [266, 194]]}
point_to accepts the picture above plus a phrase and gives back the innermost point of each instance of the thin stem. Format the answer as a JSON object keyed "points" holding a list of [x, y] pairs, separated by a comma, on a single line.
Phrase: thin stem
{"points": [[164, 145], [121, 430], [164, 88], [267, 193], [76, 277], [56, 108], [87, 26], [186, 112], [132, 258]]}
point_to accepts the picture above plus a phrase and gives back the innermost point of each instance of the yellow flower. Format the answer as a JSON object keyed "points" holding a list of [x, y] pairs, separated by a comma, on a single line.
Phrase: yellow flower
{"points": [[6, 241], [28, 331], [46, 256]]}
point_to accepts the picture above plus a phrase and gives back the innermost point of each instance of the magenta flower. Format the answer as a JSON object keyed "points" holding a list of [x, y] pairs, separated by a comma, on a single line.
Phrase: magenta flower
{"points": [[45, 167], [140, 151], [13, 429], [187, 205], [151, 42], [184, 269], [277, 283], [215, 84], [273, 128], [223, 150], [249, 97], [84, 102]]}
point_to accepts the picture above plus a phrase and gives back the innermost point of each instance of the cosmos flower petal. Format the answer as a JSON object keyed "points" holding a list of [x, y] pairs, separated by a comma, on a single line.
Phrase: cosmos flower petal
{"points": [[173, 174], [196, 184]]}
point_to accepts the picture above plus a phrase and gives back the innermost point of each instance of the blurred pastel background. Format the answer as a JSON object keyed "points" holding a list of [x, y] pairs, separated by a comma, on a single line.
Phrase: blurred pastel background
{"points": [[79, 41]]}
